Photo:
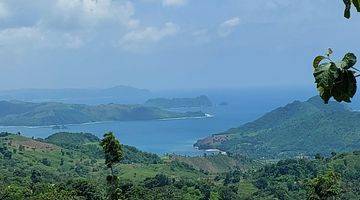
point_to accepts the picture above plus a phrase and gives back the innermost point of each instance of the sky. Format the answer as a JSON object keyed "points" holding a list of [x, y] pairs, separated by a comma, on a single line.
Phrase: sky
{"points": [[169, 44]]}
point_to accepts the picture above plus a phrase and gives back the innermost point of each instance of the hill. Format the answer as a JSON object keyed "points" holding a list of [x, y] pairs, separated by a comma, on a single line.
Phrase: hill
{"points": [[200, 101], [117, 94], [18, 113], [218, 163], [88, 143], [62, 170], [297, 129]]}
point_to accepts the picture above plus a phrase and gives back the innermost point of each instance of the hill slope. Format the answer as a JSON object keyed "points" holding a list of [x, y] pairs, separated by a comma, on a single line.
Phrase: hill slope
{"points": [[299, 128], [31, 169], [17, 113]]}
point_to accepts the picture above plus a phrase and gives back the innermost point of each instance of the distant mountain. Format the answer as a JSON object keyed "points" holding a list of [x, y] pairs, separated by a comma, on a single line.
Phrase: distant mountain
{"points": [[299, 128], [118, 94], [18, 113], [200, 101]]}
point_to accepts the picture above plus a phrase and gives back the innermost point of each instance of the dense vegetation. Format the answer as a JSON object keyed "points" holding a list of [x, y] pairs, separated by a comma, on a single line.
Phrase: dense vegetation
{"points": [[16, 113], [33, 169], [201, 101], [298, 129]]}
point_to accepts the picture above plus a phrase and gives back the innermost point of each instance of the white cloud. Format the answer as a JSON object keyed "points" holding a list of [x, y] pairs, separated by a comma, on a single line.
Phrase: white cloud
{"points": [[137, 38], [174, 2], [4, 12], [94, 12], [202, 36], [20, 36], [227, 27], [66, 23]]}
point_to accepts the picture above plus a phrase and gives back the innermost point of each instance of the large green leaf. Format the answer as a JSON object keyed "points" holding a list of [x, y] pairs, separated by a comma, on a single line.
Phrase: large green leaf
{"points": [[345, 86], [349, 60], [325, 76], [335, 79]]}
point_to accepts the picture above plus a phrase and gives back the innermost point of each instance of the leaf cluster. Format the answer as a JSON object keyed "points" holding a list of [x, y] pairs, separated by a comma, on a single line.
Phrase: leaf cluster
{"points": [[335, 79]]}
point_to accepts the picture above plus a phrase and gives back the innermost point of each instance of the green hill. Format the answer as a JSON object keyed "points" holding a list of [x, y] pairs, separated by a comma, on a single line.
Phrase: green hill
{"points": [[299, 128], [88, 143], [17, 113], [200, 101], [218, 163], [59, 169]]}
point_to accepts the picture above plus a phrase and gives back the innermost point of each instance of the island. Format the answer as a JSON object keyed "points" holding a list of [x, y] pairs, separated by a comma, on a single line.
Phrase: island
{"points": [[19, 113], [200, 101], [223, 104]]}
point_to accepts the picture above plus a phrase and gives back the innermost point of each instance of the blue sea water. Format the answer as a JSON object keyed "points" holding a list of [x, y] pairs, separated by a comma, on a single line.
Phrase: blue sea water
{"points": [[178, 136]]}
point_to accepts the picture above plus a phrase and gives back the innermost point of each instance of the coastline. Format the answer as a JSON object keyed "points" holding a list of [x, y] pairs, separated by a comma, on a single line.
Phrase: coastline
{"points": [[100, 122]]}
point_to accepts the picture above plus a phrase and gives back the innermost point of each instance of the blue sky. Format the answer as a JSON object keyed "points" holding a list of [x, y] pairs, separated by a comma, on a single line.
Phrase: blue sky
{"points": [[169, 44]]}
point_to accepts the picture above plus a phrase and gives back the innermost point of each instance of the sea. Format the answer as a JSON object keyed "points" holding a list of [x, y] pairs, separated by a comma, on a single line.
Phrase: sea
{"points": [[232, 108]]}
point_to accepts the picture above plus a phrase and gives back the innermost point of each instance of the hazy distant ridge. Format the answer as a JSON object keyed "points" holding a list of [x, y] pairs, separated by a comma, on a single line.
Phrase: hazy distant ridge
{"points": [[17, 113], [117, 94]]}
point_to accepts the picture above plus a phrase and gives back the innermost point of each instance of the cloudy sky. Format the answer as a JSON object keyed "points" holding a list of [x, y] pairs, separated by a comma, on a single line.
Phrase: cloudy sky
{"points": [[164, 44]]}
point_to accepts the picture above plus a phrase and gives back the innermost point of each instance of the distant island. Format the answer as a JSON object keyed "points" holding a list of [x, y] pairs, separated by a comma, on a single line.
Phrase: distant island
{"points": [[223, 104], [200, 101], [299, 128], [18, 113], [118, 94]]}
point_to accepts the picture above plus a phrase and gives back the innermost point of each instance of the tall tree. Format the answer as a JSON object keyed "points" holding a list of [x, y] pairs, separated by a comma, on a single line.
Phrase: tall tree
{"points": [[112, 150], [113, 155]]}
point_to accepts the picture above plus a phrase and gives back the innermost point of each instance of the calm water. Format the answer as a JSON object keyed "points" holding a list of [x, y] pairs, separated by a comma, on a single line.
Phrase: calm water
{"points": [[178, 136]]}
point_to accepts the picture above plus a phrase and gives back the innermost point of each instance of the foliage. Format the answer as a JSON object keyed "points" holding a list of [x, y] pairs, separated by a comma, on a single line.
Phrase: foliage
{"points": [[348, 5], [325, 186], [83, 177], [112, 149], [335, 79]]}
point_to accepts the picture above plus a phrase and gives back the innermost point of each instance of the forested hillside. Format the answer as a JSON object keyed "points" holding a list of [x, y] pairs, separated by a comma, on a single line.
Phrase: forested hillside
{"points": [[297, 129], [54, 169], [18, 113]]}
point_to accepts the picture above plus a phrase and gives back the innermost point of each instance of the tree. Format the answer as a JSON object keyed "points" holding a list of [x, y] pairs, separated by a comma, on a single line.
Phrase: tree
{"points": [[326, 186], [35, 176], [113, 155], [227, 193], [112, 150]]}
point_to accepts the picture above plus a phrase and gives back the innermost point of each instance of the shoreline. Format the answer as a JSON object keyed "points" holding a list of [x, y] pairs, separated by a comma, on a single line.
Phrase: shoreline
{"points": [[100, 122]]}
